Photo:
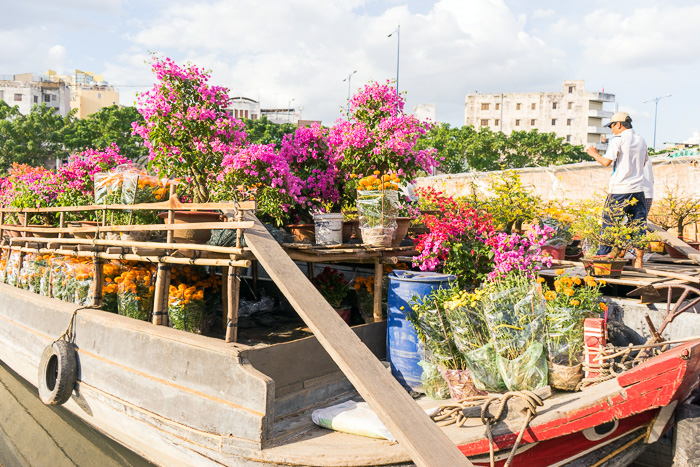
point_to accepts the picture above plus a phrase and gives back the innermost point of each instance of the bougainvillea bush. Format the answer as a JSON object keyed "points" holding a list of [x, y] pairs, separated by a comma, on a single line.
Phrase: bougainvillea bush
{"points": [[187, 129], [520, 253], [457, 241]]}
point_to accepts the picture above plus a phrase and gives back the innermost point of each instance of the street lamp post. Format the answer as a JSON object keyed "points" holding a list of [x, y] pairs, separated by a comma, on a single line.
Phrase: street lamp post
{"points": [[656, 108], [398, 47], [348, 79], [290, 110]]}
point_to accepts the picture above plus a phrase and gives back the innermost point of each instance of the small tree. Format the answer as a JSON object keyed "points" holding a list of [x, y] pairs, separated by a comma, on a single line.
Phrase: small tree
{"points": [[675, 211]]}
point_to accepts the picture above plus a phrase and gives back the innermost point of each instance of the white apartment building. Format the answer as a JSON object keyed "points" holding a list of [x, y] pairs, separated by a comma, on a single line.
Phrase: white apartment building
{"points": [[572, 114], [29, 89], [244, 107]]}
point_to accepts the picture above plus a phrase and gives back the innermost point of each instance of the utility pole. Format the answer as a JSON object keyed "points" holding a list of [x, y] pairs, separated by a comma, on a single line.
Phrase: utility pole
{"points": [[398, 47], [656, 108]]}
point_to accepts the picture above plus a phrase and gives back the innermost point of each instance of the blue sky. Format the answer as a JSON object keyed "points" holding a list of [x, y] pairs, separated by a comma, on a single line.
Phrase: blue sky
{"points": [[278, 51]]}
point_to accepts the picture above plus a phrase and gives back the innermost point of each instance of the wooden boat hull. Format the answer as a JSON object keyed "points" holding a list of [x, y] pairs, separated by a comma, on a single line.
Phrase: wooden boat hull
{"points": [[182, 399]]}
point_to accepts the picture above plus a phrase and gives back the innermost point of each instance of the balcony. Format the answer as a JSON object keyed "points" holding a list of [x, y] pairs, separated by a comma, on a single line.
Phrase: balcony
{"points": [[601, 97], [599, 113], [597, 130]]}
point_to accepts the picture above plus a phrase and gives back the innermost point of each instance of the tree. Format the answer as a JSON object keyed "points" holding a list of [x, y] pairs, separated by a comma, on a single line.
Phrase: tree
{"points": [[111, 125], [33, 139], [263, 131]]}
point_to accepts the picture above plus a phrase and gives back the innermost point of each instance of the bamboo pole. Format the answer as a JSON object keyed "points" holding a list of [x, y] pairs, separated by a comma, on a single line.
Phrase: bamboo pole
{"points": [[162, 288], [172, 204], [378, 276], [233, 288], [97, 281], [61, 223]]}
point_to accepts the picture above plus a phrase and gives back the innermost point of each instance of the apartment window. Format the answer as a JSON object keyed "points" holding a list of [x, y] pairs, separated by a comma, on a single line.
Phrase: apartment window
{"points": [[571, 89], [517, 106], [568, 138], [554, 106], [18, 97], [570, 105], [496, 121], [498, 106], [533, 122], [484, 106], [533, 106], [246, 114], [484, 122], [47, 97], [517, 122], [568, 122], [36, 99], [554, 121]]}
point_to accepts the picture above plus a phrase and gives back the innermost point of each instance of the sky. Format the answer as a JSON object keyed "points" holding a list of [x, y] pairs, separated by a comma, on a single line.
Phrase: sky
{"points": [[302, 52]]}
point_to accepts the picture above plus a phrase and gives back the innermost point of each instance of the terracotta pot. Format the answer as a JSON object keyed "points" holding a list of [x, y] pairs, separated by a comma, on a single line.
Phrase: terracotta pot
{"points": [[402, 224], [198, 236], [302, 232], [84, 224], [344, 313], [557, 252], [674, 253]]}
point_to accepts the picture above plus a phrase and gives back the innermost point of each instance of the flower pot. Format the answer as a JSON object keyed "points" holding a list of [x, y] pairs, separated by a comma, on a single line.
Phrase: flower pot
{"points": [[328, 228], [378, 211], [657, 247], [89, 235], [402, 225], [348, 229], [344, 313], [378, 237], [557, 252], [564, 377], [674, 253], [198, 236], [603, 266], [302, 232]]}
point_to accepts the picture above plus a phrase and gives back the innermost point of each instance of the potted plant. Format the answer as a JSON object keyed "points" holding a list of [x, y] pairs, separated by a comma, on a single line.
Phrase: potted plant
{"points": [[510, 202], [335, 289], [560, 223], [378, 207], [30, 187], [676, 211], [572, 300]]}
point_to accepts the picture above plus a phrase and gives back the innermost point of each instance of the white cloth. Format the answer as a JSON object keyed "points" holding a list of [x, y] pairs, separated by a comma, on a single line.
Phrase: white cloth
{"points": [[628, 151], [648, 180]]}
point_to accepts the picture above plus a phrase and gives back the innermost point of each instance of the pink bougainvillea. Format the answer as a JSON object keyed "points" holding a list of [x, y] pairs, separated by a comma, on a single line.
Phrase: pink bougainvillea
{"points": [[515, 252]]}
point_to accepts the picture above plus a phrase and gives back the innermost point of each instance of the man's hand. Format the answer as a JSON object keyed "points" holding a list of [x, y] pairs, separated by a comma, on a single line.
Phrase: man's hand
{"points": [[592, 151]]}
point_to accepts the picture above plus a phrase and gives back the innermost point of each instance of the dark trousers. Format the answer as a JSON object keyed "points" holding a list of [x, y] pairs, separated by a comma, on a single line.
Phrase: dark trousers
{"points": [[636, 211]]}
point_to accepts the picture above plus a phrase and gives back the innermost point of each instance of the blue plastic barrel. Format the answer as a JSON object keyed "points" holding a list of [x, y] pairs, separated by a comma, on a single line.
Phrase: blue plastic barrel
{"points": [[403, 348]]}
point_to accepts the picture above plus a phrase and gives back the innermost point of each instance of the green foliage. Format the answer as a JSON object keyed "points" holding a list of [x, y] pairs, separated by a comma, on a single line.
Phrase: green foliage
{"points": [[467, 149], [99, 130], [263, 131], [33, 139], [512, 203]]}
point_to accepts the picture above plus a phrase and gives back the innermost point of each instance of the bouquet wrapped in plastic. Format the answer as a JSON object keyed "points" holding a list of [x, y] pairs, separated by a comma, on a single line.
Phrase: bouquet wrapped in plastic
{"points": [[135, 293], [110, 271], [3, 265], [147, 189], [186, 308], [57, 281], [83, 278], [36, 271], [14, 264], [433, 383], [26, 270]]}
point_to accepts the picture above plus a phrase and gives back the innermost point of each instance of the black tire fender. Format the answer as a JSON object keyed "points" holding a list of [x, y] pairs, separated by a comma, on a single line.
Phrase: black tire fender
{"points": [[58, 373]]}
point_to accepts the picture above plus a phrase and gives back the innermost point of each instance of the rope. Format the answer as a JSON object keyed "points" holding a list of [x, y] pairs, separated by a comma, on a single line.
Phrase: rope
{"points": [[67, 335]]}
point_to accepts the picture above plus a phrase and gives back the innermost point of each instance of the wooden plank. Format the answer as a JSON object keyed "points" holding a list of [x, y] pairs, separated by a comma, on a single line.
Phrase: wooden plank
{"points": [[672, 275], [675, 242], [425, 442], [173, 203]]}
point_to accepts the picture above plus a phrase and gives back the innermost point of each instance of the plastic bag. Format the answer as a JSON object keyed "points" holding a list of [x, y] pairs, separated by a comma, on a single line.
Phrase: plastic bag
{"points": [[434, 331], [378, 211], [433, 383], [460, 384], [527, 372], [565, 335], [135, 293], [57, 282], [14, 263], [83, 274], [110, 271], [36, 272], [469, 329], [26, 270], [186, 308], [3, 265], [484, 369], [69, 281], [352, 417], [45, 281]]}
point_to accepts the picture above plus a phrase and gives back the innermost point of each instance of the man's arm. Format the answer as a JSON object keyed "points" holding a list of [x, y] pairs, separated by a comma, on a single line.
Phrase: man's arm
{"points": [[593, 152]]}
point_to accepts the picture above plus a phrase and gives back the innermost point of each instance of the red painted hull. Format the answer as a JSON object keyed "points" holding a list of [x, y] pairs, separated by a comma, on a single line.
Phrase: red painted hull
{"points": [[631, 406]]}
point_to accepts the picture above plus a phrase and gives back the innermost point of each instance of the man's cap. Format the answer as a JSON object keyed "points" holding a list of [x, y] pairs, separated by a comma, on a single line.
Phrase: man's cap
{"points": [[619, 117]]}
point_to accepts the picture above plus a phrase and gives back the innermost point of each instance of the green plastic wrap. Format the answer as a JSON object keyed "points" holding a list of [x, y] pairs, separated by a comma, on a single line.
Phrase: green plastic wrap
{"points": [[378, 211], [469, 329], [434, 384], [14, 264], [186, 308], [527, 372], [484, 369]]}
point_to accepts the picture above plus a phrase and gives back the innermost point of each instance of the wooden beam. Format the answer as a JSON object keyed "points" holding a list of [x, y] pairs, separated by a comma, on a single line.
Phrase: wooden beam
{"points": [[675, 242], [424, 441], [671, 275]]}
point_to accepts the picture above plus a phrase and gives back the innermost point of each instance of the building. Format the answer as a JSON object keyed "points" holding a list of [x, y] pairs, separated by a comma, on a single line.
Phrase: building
{"points": [[572, 114], [425, 112], [89, 92], [29, 89], [243, 107]]}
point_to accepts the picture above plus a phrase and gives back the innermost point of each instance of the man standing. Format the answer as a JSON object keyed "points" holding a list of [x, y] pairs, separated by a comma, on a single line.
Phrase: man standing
{"points": [[627, 150]]}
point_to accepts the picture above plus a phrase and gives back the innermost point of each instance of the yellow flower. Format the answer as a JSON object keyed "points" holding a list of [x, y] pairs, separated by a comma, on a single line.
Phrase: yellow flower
{"points": [[577, 280], [574, 302], [602, 283], [550, 295], [603, 306], [569, 292], [559, 272], [540, 279]]}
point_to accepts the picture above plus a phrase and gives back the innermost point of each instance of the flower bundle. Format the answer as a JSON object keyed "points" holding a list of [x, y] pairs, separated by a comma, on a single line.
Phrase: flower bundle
{"points": [[198, 276], [147, 189], [520, 253], [186, 308], [108, 187], [14, 264], [560, 223], [378, 182], [572, 300], [82, 276], [458, 240], [45, 280], [36, 271], [110, 288], [3, 264], [27, 270], [57, 278], [135, 292], [463, 312], [332, 285]]}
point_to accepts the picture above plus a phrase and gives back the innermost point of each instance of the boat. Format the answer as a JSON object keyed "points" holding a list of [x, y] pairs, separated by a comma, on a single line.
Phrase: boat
{"points": [[183, 399]]}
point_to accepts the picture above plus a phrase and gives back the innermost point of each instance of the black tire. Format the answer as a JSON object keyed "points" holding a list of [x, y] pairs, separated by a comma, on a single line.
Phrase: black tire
{"points": [[686, 436], [58, 373]]}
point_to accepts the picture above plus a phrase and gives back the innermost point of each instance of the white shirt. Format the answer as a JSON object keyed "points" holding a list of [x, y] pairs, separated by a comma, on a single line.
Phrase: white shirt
{"points": [[648, 180], [628, 151]]}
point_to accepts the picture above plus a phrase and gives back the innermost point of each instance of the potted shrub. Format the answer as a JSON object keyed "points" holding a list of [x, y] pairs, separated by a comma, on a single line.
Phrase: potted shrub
{"points": [[510, 202], [335, 289], [676, 211]]}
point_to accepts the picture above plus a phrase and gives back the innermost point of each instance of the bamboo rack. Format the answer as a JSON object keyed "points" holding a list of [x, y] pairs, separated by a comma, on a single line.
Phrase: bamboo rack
{"points": [[52, 240]]}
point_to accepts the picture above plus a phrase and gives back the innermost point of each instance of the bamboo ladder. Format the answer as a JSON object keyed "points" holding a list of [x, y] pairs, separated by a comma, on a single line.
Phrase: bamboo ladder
{"points": [[231, 259]]}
